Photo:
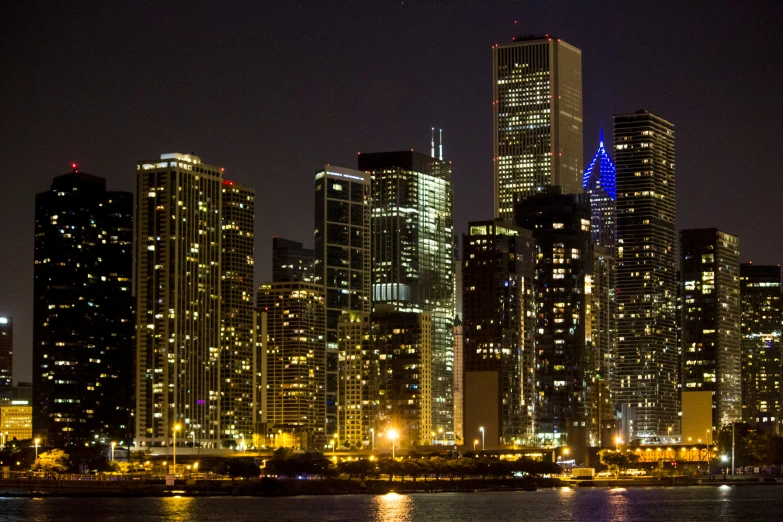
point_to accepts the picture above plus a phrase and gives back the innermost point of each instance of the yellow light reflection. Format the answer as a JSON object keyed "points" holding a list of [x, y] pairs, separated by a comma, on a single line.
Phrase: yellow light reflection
{"points": [[393, 507]]}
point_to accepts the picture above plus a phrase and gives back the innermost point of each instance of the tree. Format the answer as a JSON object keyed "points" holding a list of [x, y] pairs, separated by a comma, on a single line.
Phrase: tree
{"points": [[242, 468], [617, 461], [53, 461]]}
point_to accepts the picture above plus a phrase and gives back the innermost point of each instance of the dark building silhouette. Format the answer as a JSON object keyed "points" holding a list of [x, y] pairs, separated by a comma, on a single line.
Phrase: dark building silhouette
{"points": [[83, 312], [6, 351], [291, 261]]}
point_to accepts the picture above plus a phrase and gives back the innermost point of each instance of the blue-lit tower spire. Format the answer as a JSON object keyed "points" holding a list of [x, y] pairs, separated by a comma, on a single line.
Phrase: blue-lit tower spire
{"points": [[599, 181]]}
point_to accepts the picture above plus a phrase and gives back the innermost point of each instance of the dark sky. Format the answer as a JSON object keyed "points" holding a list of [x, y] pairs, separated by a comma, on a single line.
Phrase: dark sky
{"points": [[272, 90]]}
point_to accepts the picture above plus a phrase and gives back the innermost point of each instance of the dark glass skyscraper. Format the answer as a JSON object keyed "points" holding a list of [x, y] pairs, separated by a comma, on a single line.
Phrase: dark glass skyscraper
{"points": [[647, 360], [6, 351], [762, 370], [83, 311], [291, 261], [412, 256]]}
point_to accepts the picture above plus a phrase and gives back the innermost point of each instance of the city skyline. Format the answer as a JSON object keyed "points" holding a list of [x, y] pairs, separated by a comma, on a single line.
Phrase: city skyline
{"points": [[113, 154]]}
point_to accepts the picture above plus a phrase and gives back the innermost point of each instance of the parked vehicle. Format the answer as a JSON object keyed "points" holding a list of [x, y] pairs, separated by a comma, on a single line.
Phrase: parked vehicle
{"points": [[635, 472], [604, 474]]}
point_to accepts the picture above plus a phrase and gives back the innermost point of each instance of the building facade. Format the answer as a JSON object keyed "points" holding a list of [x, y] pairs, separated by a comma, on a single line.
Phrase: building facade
{"points": [[6, 351], [83, 311], [291, 261], [237, 309], [16, 421], [498, 272], [647, 352], [459, 382], [412, 256], [342, 261], [178, 295], [537, 118], [762, 371]]}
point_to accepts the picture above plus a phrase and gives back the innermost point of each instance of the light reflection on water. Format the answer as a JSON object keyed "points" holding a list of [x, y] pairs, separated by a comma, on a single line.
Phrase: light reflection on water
{"points": [[178, 508], [393, 507]]}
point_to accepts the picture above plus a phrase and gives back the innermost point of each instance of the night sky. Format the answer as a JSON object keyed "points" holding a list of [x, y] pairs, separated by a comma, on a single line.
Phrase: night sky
{"points": [[273, 90]]}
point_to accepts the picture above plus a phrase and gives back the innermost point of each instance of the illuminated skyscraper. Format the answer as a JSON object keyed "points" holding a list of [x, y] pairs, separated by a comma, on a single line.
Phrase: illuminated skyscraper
{"points": [[762, 370], [178, 292], [291, 261], [537, 118], [6, 350], [238, 331], [413, 259], [342, 260], [647, 360], [600, 182], [83, 311]]}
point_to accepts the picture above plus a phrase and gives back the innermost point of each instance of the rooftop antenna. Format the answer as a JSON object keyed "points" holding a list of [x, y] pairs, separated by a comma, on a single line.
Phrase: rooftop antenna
{"points": [[432, 143], [440, 148]]}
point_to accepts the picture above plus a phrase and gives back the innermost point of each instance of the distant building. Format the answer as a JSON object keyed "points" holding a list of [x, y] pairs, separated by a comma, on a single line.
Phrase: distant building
{"points": [[237, 309], [459, 383], [646, 364], [537, 119], [412, 256], [710, 268], [762, 370], [83, 312], [16, 421], [295, 364], [498, 321], [6, 351], [291, 261]]}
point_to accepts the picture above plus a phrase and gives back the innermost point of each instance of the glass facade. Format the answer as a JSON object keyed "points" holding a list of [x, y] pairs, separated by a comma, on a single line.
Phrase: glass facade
{"points": [[291, 261]]}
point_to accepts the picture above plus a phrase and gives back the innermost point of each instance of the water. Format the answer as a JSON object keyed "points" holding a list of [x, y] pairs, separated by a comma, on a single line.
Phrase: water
{"points": [[633, 504]]}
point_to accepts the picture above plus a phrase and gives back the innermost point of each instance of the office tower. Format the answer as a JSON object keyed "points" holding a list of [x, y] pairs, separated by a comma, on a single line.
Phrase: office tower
{"points": [[237, 309], [600, 183], [565, 380], [291, 261], [6, 351], [459, 380], [711, 338], [295, 411], [761, 345], [498, 320], [178, 285], [83, 311], [398, 372], [646, 364], [537, 119], [354, 415], [342, 260], [16, 421], [413, 260]]}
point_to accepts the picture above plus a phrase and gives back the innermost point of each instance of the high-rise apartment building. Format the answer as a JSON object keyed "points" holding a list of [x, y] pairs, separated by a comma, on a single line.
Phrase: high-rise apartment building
{"points": [[291, 261], [342, 260], [295, 365], [178, 294], [83, 311], [498, 271], [646, 364], [6, 351], [412, 256], [710, 271], [762, 370], [237, 309], [565, 381], [537, 118]]}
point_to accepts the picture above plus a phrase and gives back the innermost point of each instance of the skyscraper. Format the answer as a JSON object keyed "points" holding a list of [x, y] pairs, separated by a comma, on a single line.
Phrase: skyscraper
{"points": [[295, 413], [600, 182], [710, 268], [646, 365], [6, 351], [565, 381], [291, 261], [498, 321], [237, 309], [459, 382], [178, 293], [762, 370], [413, 259], [342, 260], [537, 118], [83, 311]]}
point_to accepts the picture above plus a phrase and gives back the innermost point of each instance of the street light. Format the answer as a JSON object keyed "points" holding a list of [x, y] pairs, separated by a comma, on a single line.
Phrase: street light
{"points": [[617, 443], [481, 429], [176, 429], [112, 450], [36, 448], [392, 434]]}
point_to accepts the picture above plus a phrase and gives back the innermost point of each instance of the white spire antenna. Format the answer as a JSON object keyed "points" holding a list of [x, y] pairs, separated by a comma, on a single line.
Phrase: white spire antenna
{"points": [[440, 151], [432, 143]]}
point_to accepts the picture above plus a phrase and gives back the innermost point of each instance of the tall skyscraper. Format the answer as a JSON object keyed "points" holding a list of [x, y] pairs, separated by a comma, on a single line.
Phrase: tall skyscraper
{"points": [[762, 367], [710, 268], [6, 351], [498, 320], [537, 118], [291, 261], [83, 311], [413, 260], [342, 260], [646, 365], [600, 182], [295, 413], [178, 293], [565, 381], [237, 309]]}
